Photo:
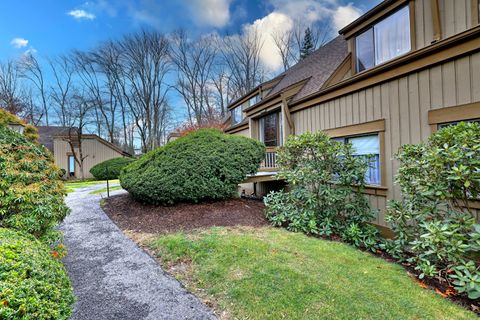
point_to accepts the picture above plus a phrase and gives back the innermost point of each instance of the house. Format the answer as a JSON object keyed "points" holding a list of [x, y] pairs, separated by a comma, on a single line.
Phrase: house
{"points": [[392, 77], [95, 149]]}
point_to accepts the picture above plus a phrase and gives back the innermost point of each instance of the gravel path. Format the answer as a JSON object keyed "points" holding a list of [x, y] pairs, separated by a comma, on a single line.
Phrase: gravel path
{"points": [[111, 276]]}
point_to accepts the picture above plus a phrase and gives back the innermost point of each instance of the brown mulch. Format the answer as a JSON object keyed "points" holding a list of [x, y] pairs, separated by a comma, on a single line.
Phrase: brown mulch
{"points": [[129, 214]]}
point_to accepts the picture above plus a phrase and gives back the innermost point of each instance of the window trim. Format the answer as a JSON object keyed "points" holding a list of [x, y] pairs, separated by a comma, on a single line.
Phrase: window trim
{"points": [[462, 112], [413, 40], [363, 129]]}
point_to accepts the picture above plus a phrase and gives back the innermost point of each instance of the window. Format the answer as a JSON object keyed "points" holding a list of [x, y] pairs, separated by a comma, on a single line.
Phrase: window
{"points": [[384, 41], [253, 100], [271, 130], [365, 146], [237, 115], [71, 166], [448, 124]]}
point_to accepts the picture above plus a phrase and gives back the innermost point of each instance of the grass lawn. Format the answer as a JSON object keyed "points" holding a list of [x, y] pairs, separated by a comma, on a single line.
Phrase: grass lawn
{"points": [[104, 190], [270, 273], [73, 185]]}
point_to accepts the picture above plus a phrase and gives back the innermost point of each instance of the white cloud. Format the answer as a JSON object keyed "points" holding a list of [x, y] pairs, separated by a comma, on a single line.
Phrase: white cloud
{"points": [[344, 15], [286, 14], [273, 24], [80, 14], [19, 42], [215, 13]]}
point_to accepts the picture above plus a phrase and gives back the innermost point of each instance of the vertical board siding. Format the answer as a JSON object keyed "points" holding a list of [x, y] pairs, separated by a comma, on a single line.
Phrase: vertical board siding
{"points": [[404, 104]]}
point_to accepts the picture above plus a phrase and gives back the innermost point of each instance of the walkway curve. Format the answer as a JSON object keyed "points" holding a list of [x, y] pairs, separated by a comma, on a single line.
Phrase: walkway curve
{"points": [[112, 277]]}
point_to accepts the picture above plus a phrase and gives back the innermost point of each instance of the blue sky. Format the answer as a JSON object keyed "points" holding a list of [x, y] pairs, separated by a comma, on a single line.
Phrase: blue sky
{"points": [[53, 27]]}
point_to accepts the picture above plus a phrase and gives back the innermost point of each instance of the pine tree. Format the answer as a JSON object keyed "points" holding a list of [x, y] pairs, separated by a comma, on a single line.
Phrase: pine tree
{"points": [[307, 44]]}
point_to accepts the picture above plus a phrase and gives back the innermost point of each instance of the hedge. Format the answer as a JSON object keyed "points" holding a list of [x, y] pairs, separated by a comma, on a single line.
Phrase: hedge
{"points": [[114, 166], [31, 192], [204, 165], [33, 281]]}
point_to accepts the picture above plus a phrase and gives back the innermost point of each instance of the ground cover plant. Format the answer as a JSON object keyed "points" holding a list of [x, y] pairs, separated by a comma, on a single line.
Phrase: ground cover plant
{"points": [[320, 173], [203, 165], [110, 169], [30, 186], [269, 273], [33, 281], [434, 224]]}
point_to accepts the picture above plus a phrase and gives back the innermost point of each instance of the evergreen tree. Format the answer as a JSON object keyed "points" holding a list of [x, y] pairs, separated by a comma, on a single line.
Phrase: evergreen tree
{"points": [[307, 44]]}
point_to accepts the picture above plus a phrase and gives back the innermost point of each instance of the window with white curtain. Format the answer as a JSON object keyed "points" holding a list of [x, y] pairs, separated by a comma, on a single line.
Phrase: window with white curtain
{"points": [[384, 41], [365, 147]]}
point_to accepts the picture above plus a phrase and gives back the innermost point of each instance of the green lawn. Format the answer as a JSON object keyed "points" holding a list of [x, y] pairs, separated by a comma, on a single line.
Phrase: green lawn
{"points": [[73, 185], [104, 190], [275, 274]]}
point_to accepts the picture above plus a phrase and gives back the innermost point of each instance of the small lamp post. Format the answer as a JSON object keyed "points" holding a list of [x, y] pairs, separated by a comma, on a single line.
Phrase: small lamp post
{"points": [[17, 127]]}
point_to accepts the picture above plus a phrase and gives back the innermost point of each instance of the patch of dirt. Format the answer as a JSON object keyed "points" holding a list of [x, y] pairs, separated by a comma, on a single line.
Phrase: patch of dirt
{"points": [[136, 217]]}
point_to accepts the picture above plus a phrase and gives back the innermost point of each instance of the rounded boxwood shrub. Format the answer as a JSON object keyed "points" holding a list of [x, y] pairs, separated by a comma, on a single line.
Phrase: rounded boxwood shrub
{"points": [[33, 281], [31, 191], [110, 169], [205, 164]]}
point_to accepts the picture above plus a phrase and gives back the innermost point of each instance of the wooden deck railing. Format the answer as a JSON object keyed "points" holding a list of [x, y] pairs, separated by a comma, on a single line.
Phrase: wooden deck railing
{"points": [[270, 161]]}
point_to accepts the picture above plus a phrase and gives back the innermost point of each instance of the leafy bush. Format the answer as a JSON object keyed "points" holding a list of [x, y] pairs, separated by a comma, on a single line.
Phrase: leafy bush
{"points": [[205, 164], [321, 173], [33, 282], [30, 132], [110, 169], [31, 192], [433, 223]]}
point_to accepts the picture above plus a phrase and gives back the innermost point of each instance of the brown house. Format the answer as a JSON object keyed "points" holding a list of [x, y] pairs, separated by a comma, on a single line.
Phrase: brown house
{"points": [[94, 148], [392, 77]]}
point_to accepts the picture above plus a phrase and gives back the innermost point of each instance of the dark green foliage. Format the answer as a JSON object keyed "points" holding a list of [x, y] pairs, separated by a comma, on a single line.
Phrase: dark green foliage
{"points": [[33, 282], [307, 44], [434, 225], [205, 164], [31, 191], [321, 174], [110, 169]]}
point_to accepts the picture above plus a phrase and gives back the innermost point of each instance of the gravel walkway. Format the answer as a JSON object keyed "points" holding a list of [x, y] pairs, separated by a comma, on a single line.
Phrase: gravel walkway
{"points": [[111, 276]]}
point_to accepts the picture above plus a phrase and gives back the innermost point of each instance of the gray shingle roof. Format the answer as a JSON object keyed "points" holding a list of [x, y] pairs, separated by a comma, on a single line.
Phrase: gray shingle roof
{"points": [[47, 133], [317, 67]]}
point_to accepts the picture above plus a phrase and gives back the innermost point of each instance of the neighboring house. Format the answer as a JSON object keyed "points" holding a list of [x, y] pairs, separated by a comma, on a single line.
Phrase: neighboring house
{"points": [[392, 77], [94, 148]]}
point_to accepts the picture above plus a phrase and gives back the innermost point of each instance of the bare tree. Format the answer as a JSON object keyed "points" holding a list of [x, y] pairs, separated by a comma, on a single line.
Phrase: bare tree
{"points": [[241, 54], [10, 88], [145, 64], [30, 69], [194, 61], [61, 88], [77, 121]]}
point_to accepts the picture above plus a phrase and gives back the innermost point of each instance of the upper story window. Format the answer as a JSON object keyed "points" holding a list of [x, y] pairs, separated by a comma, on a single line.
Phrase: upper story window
{"points": [[237, 115], [253, 100], [384, 41]]}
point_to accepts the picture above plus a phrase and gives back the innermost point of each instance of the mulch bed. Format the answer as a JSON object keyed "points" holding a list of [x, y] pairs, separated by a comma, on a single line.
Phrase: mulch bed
{"points": [[129, 214]]}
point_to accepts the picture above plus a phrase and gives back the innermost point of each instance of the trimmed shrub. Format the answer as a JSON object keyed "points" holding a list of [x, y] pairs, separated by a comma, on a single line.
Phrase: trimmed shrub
{"points": [[33, 281], [434, 224], [205, 164], [31, 192], [110, 169], [321, 174]]}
